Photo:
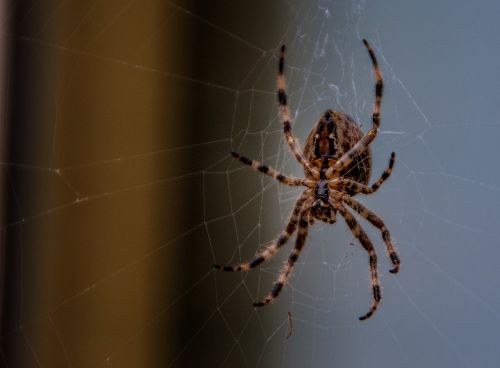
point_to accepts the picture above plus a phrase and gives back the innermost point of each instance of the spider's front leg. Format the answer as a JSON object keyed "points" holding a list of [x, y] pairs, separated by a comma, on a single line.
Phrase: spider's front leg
{"points": [[294, 256], [360, 234], [375, 221], [273, 248]]}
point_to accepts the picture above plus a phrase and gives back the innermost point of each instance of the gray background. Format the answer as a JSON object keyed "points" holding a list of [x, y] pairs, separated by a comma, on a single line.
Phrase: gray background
{"points": [[440, 114], [124, 122]]}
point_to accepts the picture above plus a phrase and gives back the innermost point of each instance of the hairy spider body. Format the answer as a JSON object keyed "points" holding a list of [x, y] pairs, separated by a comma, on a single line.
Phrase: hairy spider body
{"points": [[337, 166], [333, 135], [321, 208]]}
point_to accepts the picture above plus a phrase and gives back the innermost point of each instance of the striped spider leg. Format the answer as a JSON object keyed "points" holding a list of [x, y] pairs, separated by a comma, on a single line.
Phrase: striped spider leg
{"points": [[269, 251], [364, 142], [376, 221], [365, 241], [284, 113], [355, 187]]}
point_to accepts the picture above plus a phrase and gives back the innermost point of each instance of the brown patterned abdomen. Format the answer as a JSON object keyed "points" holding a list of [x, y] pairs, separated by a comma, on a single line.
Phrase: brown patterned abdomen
{"points": [[331, 137]]}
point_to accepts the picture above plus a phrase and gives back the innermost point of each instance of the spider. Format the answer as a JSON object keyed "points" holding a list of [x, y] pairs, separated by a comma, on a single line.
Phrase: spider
{"points": [[337, 165]]}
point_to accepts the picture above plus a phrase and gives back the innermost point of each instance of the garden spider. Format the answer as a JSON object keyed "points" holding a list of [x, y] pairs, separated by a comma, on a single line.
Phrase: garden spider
{"points": [[337, 165]]}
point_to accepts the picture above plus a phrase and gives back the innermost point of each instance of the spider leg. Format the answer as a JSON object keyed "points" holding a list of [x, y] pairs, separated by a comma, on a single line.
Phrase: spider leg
{"points": [[378, 223], [361, 145], [289, 264], [343, 183], [285, 118], [360, 234], [257, 166], [269, 251]]}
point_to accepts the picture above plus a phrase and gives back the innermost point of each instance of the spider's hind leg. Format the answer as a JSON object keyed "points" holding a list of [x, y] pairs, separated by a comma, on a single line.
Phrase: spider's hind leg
{"points": [[365, 141], [284, 113]]}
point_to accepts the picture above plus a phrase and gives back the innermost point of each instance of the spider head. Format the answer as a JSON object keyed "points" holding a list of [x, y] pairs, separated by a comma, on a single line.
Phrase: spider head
{"points": [[323, 211]]}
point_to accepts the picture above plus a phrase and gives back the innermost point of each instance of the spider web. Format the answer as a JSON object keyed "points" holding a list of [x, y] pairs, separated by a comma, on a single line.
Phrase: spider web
{"points": [[138, 288]]}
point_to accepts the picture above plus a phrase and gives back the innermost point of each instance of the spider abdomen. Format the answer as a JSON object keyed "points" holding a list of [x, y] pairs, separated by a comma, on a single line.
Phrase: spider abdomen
{"points": [[332, 136]]}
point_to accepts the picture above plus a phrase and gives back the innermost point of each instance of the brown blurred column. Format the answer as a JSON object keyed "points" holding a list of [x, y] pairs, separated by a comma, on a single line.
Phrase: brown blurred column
{"points": [[88, 274]]}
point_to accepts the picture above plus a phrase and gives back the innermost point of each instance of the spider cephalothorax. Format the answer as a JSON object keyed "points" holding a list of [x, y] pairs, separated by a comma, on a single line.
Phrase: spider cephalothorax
{"points": [[337, 165], [321, 208]]}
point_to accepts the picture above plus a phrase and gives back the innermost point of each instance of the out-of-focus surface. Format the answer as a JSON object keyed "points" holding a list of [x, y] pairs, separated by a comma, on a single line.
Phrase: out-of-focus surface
{"points": [[119, 193], [89, 185]]}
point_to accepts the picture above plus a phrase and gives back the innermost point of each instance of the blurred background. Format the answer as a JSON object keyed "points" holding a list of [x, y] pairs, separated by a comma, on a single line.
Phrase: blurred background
{"points": [[117, 193]]}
